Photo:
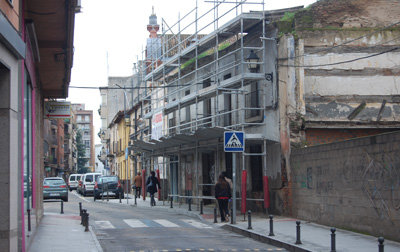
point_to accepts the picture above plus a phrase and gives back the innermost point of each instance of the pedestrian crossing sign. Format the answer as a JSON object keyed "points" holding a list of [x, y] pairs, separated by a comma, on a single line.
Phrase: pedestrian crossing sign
{"points": [[233, 141]]}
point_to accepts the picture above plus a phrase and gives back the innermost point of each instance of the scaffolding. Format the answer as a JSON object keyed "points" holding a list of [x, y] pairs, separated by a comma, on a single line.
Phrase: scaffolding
{"points": [[203, 84]]}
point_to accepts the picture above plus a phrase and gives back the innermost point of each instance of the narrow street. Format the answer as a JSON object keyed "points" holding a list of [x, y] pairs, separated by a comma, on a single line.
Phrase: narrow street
{"points": [[126, 228]]}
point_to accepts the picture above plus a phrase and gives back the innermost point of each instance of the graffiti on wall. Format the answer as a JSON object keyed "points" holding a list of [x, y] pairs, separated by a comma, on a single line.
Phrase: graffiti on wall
{"points": [[381, 184]]}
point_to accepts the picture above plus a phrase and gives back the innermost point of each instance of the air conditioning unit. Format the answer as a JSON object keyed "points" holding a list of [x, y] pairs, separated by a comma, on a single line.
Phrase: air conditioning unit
{"points": [[78, 6]]}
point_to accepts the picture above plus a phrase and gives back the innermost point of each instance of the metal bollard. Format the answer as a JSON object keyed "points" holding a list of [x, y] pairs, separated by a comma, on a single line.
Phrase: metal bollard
{"points": [[381, 246], [119, 195], [62, 207], [249, 218], [271, 225], [201, 207], [190, 204], [171, 199], [83, 217], [215, 215], [231, 215], [333, 240], [298, 232], [135, 199], [87, 222], [29, 219], [80, 208]]}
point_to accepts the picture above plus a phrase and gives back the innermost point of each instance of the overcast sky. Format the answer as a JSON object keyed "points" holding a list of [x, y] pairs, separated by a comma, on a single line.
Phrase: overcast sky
{"points": [[110, 36]]}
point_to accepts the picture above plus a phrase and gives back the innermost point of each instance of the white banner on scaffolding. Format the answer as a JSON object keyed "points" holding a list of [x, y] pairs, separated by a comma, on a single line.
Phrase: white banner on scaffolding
{"points": [[157, 126]]}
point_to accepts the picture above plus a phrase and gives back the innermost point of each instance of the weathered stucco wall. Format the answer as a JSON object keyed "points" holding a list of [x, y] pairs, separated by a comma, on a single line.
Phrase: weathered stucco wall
{"points": [[353, 184]]}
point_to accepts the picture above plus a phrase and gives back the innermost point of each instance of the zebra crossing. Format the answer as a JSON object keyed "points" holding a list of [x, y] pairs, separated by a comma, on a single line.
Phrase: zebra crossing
{"points": [[160, 223]]}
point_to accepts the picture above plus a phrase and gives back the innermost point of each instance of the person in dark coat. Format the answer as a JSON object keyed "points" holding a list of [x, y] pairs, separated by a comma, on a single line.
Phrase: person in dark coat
{"points": [[223, 194], [151, 186]]}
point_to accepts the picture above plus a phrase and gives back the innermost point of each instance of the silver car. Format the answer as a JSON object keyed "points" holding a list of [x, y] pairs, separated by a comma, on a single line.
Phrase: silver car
{"points": [[55, 188]]}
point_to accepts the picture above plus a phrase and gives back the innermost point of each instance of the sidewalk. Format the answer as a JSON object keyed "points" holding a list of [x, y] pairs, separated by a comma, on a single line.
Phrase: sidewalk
{"points": [[58, 232], [63, 233]]}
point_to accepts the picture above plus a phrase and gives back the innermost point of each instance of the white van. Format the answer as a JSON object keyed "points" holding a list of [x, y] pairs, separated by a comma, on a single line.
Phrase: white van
{"points": [[73, 181], [88, 181]]}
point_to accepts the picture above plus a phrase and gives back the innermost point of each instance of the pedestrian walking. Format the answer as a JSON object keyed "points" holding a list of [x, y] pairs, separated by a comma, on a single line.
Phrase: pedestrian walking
{"points": [[151, 186], [227, 179], [138, 184], [223, 194]]}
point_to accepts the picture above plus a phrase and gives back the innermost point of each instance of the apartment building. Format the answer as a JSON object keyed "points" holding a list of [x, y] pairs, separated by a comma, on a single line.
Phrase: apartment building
{"points": [[84, 123]]}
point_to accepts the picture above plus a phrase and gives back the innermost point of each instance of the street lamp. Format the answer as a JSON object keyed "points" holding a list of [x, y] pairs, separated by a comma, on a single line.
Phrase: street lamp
{"points": [[252, 62]]}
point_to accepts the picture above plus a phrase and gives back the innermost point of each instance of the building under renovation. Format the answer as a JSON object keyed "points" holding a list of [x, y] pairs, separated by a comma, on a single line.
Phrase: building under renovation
{"points": [[192, 89]]}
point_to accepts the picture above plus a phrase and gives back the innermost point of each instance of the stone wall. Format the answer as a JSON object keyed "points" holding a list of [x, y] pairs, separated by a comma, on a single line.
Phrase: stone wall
{"points": [[353, 184]]}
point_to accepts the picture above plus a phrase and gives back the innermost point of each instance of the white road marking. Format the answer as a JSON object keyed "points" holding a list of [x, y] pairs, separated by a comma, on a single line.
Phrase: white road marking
{"points": [[79, 196], [104, 225], [196, 223], [134, 223], [166, 223]]}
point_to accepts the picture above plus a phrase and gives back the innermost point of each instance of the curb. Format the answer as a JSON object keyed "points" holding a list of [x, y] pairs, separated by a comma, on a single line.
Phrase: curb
{"points": [[265, 239], [96, 242]]}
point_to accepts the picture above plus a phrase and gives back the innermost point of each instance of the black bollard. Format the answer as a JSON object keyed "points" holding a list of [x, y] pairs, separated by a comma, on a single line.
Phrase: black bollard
{"points": [[381, 246], [271, 226], [190, 204], [119, 195], [231, 215], [201, 207], [333, 240], [249, 218], [215, 215], [80, 208], [62, 207], [29, 219], [135, 199], [87, 222], [298, 232], [172, 206], [83, 217]]}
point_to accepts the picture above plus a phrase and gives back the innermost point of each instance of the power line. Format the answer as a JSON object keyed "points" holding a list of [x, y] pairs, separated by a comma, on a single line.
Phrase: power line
{"points": [[342, 62], [344, 43]]}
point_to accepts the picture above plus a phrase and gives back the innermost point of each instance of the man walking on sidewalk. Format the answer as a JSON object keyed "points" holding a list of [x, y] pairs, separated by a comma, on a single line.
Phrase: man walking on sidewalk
{"points": [[138, 184], [152, 183]]}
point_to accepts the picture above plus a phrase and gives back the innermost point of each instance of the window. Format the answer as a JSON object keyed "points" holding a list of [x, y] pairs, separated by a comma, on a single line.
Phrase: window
{"points": [[207, 83], [79, 118], [87, 143]]}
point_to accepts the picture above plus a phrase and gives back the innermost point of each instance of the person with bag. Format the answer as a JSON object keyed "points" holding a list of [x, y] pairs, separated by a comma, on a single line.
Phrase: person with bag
{"points": [[223, 194], [151, 186]]}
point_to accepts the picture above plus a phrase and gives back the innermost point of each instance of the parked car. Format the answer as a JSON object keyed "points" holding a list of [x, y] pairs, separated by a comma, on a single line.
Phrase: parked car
{"points": [[108, 186], [73, 181], [55, 188], [87, 183]]}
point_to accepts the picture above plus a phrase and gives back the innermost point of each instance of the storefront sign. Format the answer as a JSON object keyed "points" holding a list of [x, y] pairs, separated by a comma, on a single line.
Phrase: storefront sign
{"points": [[56, 109]]}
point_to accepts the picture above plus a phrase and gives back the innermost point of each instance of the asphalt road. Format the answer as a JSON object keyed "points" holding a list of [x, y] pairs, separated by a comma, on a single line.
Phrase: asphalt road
{"points": [[127, 228]]}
